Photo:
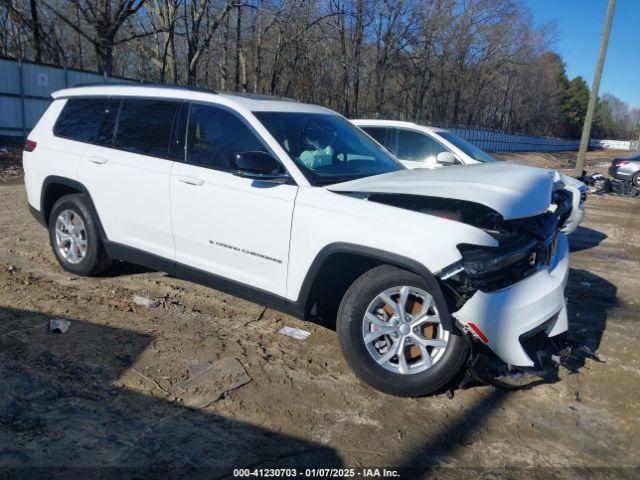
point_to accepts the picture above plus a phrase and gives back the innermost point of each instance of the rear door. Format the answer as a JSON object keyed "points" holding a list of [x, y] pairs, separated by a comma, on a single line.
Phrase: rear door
{"points": [[223, 224], [128, 175]]}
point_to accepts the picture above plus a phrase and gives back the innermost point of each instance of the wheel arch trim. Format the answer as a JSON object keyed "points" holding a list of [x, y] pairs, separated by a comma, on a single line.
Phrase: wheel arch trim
{"points": [[52, 180], [382, 256]]}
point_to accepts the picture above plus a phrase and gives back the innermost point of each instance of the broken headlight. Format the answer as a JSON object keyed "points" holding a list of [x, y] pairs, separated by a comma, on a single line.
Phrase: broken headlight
{"points": [[494, 268], [488, 260]]}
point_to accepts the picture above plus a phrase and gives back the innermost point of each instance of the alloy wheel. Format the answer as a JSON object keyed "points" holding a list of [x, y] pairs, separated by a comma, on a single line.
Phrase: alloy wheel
{"points": [[71, 236], [402, 331]]}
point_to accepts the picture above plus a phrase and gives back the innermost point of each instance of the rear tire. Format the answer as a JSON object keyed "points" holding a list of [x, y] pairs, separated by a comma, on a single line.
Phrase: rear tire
{"points": [[365, 312], [636, 180], [74, 237]]}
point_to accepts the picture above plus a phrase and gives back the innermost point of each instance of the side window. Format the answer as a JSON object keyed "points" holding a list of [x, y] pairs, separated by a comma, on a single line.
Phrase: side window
{"points": [[417, 147], [88, 120], [384, 136], [214, 135], [144, 126]]}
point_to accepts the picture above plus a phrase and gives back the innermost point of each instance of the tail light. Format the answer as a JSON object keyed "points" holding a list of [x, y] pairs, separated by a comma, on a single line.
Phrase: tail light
{"points": [[621, 162], [30, 145]]}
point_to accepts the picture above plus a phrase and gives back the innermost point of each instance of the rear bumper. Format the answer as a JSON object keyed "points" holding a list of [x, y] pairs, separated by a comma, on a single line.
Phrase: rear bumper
{"points": [[509, 315]]}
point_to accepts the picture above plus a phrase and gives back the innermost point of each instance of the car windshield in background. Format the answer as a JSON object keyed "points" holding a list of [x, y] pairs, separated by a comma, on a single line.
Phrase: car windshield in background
{"points": [[327, 148], [471, 150]]}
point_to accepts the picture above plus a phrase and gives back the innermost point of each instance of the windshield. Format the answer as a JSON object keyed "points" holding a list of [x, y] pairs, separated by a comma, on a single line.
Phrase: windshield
{"points": [[327, 148], [471, 150]]}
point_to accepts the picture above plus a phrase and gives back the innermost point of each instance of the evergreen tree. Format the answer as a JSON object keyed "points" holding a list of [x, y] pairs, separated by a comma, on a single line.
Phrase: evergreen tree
{"points": [[573, 107]]}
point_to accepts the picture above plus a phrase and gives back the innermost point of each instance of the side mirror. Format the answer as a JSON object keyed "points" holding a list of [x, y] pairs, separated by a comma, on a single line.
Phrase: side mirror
{"points": [[259, 166], [447, 158]]}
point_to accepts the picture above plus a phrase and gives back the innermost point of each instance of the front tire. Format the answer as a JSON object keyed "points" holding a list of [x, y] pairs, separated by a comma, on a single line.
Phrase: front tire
{"points": [[74, 238], [390, 332]]}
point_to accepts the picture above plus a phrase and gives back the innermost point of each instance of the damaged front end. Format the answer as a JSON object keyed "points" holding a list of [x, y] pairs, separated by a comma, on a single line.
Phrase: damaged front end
{"points": [[525, 245], [548, 353], [512, 320]]}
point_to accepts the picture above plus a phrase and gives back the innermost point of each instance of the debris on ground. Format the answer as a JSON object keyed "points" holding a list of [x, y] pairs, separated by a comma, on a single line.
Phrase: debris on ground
{"points": [[10, 164], [145, 301], [624, 188], [599, 184], [208, 382], [59, 325], [13, 269], [297, 333]]}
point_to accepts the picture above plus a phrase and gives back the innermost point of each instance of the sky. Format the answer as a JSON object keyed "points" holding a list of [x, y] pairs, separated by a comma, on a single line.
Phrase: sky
{"points": [[579, 29]]}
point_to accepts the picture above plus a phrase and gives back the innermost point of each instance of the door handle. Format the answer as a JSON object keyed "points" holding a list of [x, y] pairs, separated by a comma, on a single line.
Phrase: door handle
{"points": [[190, 180], [98, 160]]}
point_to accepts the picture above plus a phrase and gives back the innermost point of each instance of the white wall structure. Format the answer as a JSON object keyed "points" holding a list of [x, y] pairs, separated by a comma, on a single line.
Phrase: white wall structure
{"points": [[493, 141]]}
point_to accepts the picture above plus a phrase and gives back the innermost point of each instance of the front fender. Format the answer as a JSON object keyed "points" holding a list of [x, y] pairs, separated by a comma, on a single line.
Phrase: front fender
{"points": [[421, 243]]}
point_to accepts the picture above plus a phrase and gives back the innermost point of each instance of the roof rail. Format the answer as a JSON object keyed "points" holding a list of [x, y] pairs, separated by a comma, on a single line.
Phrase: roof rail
{"points": [[154, 85], [259, 96], [252, 96]]}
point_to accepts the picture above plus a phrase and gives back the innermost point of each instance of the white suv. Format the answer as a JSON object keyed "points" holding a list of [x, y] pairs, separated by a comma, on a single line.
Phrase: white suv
{"points": [[418, 146], [292, 206]]}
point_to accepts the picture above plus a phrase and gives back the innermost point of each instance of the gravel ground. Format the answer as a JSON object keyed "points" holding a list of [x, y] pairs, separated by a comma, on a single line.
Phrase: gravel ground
{"points": [[103, 394]]}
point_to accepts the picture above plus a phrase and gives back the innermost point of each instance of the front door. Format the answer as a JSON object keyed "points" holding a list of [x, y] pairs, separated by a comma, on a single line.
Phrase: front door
{"points": [[223, 224]]}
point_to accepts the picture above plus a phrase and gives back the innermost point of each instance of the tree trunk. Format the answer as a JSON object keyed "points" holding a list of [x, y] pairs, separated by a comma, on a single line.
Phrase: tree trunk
{"points": [[238, 45], [359, 35], [258, 52], [344, 107], [104, 53], [36, 31], [224, 80]]}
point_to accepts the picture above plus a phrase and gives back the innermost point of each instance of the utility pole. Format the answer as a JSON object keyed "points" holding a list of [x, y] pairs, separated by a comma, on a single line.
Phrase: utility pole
{"points": [[593, 97]]}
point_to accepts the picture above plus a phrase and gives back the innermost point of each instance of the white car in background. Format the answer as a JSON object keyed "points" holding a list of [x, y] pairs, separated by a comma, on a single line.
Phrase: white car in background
{"points": [[417, 146]]}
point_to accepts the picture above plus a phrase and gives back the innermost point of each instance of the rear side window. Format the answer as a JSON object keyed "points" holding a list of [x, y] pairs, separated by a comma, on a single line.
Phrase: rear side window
{"points": [[144, 126], [88, 120], [214, 135], [384, 136]]}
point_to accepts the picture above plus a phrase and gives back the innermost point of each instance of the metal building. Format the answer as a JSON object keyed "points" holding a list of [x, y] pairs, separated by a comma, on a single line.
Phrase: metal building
{"points": [[25, 91]]}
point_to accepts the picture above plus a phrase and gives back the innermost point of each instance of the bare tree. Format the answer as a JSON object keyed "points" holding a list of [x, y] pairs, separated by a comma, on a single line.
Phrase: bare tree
{"points": [[198, 32], [104, 19], [462, 62]]}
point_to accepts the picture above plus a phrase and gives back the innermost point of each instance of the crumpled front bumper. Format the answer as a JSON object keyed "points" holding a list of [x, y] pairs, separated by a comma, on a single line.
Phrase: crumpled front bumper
{"points": [[579, 195], [506, 315]]}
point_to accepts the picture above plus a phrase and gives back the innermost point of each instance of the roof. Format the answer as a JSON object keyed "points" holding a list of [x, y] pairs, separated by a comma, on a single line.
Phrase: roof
{"points": [[395, 123], [240, 101]]}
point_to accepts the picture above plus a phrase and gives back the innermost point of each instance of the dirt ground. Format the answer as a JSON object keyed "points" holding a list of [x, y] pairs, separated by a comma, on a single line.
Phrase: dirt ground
{"points": [[102, 394]]}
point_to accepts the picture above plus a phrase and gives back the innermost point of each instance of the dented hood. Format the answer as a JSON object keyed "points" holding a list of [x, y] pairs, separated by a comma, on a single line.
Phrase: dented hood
{"points": [[514, 191]]}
